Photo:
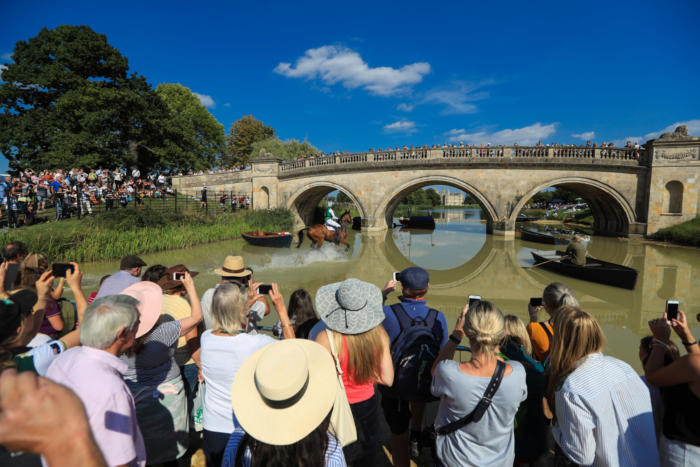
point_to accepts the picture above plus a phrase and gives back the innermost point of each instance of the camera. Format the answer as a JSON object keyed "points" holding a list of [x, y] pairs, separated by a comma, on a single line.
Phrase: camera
{"points": [[671, 309]]}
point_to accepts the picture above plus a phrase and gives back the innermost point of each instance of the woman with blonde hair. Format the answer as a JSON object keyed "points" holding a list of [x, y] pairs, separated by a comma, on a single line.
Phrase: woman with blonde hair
{"points": [[601, 407], [478, 398], [554, 296], [224, 348], [352, 313]]}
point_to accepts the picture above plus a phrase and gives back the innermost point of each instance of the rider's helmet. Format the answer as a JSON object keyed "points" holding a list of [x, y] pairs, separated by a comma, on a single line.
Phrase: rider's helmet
{"points": [[330, 204]]}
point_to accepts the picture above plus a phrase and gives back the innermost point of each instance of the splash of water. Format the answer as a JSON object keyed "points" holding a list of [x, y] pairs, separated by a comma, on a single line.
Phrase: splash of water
{"points": [[299, 258]]}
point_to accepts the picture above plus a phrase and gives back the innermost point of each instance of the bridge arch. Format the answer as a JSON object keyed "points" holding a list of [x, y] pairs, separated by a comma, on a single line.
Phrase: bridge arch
{"points": [[387, 206], [304, 201], [612, 213]]}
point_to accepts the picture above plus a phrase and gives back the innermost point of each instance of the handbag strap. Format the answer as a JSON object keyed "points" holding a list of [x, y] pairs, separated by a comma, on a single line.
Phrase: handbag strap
{"points": [[336, 360], [481, 407]]}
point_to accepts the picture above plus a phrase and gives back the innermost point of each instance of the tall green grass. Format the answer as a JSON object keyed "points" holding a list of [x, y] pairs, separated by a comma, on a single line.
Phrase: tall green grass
{"points": [[687, 233], [115, 234]]}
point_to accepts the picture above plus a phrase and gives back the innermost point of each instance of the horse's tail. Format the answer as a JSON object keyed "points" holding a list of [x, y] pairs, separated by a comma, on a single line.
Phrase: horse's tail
{"points": [[301, 236]]}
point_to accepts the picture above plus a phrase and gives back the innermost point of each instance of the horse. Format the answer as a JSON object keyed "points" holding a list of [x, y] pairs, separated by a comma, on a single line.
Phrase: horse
{"points": [[318, 233]]}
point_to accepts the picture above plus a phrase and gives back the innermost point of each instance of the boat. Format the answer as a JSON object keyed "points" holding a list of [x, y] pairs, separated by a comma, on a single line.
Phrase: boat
{"points": [[525, 218], [532, 236], [595, 270], [418, 222], [273, 239]]}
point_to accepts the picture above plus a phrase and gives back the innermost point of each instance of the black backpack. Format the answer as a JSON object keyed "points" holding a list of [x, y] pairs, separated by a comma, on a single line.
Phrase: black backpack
{"points": [[413, 353]]}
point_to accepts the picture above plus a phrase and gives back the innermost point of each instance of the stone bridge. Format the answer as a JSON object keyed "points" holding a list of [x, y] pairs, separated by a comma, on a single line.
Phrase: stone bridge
{"points": [[630, 192]]}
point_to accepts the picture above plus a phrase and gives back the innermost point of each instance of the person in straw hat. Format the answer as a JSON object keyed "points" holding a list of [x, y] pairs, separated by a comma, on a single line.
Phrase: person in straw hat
{"points": [[283, 396], [153, 376], [352, 313], [224, 349], [235, 271]]}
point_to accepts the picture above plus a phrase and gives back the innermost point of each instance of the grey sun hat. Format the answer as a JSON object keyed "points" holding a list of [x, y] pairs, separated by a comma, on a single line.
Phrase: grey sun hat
{"points": [[350, 307]]}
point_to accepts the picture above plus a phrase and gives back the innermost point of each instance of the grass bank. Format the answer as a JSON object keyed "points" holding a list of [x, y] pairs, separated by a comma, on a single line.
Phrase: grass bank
{"points": [[113, 234], [687, 233]]}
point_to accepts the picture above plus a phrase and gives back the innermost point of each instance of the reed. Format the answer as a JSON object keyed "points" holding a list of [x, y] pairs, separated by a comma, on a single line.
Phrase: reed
{"points": [[143, 231]]}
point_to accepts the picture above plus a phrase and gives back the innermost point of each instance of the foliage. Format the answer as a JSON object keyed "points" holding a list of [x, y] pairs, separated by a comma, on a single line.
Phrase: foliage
{"points": [[342, 197], [244, 132], [426, 196], [68, 100], [558, 193], [289, 150], [687, 233], [196, 137], [136, 231]]}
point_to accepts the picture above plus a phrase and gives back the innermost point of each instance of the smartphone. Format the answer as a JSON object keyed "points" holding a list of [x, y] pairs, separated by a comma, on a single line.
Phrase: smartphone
{"points": [[178, 276], [535, 302], [473, 299], [59, 269], [264, 289], [395, 276], [671, 309]]}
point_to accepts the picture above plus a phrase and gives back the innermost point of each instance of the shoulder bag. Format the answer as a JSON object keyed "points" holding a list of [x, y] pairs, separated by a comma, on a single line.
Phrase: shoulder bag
{"points": [[342, 422]]}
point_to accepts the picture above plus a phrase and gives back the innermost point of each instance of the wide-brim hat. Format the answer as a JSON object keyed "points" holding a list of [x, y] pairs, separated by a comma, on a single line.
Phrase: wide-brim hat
{"points": [[166, 282], [150, 297], [350, 307], [284, 391], [178, 308], [233, 267]]}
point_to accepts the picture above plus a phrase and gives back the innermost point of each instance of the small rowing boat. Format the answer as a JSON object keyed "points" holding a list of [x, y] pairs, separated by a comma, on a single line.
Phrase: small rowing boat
{"points": [[418, 222], [273, 239], [595, 270], [532, 236]]}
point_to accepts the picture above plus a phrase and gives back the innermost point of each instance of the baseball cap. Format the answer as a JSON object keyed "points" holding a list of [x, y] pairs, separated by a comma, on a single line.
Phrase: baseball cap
{"points": [[131, 261], [414, 278]]}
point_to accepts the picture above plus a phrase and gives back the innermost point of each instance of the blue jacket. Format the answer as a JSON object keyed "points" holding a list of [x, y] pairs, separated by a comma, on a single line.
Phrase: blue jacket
{"points": [[414, 308]]}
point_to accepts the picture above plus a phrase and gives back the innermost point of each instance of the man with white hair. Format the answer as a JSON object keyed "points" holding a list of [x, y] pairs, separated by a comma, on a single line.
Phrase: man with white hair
{"points": [[95, 373]]}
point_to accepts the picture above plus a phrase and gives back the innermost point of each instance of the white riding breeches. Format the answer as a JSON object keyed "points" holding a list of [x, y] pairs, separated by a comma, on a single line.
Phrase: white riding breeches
{"points": [[332, 225]]}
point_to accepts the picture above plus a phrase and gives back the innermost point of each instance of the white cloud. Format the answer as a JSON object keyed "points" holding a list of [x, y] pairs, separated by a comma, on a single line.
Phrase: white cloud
{"points": [[337, 64], [205, 100], [456, 97], [524, 136], [586, 135], [402, 126], [405, 107], [228, 104], [6, 56]]}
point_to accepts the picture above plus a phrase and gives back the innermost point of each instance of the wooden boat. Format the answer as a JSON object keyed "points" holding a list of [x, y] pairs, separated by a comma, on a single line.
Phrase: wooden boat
{"points": [[595, 270], [418, 222], [524, 218], [273, 239], [532, 236]]}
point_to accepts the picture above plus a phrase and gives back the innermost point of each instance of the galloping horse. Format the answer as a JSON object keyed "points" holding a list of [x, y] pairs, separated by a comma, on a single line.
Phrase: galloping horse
{"points": [[318, 233]]}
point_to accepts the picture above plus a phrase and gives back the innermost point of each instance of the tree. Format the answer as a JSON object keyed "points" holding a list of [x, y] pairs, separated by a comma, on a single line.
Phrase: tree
{"points": [[244, 132], [289, 150], [342, 197], [195, 138], [433, 197], [68, 100]]}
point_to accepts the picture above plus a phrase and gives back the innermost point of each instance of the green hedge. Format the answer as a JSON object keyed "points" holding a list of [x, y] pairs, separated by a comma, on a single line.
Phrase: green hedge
{"points": [[687, 233]]}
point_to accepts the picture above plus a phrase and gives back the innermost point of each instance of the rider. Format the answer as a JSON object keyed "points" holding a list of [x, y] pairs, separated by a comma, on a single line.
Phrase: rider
{"points": [[330, 220]]}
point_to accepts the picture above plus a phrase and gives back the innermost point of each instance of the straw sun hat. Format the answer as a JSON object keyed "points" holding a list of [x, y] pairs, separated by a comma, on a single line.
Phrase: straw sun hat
{"points": [[284, 391], [233, 267]]}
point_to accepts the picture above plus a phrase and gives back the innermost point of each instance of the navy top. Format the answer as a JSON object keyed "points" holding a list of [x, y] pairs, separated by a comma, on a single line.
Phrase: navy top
{"points": [[414, 308]]}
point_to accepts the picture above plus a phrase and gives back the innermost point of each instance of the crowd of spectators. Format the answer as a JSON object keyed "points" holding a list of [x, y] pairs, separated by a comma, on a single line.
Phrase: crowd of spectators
{"points": [[150, 371]]}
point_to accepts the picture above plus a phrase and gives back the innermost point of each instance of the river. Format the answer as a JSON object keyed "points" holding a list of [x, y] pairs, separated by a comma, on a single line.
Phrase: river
{"points": [[462, 260]]}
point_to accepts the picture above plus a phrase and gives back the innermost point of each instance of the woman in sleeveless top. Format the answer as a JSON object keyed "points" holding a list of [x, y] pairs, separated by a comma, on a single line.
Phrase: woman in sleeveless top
{"points": [[554, 296], [352, 312]]}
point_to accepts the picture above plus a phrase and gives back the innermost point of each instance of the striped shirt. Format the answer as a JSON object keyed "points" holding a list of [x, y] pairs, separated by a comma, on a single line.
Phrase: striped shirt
{"points": [[604, 416]]}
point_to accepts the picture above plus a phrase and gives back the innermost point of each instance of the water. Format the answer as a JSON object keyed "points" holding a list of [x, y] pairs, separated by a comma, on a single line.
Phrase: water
{"points": [[462, 260]]}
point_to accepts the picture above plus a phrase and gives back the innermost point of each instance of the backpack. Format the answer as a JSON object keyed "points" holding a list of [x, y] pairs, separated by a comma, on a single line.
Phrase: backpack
{"points": [[413, 353]]}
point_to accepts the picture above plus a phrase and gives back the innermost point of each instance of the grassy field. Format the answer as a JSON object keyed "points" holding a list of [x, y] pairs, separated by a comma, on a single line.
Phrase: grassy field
{"points": [[112, 235], [687, 233]]}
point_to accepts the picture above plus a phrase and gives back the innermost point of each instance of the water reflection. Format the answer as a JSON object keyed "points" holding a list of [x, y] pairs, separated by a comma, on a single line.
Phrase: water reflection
{"points": [[463, 260]]}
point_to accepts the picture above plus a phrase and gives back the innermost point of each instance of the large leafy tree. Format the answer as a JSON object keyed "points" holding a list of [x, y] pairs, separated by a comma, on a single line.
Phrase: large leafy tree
{"points": [[289, 150], [195, 139], [244, 132], [68, 99]]}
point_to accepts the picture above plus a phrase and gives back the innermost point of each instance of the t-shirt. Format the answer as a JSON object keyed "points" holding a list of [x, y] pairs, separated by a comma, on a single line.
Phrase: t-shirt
{"points": [[415, 309], [39, 358], [115, 283], [154, 364], [221, 358], [334, 452], [50, 310], [491, 440], [255, 314], [12, 270], [540, 339]]}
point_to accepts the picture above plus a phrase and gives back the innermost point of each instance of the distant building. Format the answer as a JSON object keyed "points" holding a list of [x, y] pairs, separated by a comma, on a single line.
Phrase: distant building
{"points": [[451, 199]]}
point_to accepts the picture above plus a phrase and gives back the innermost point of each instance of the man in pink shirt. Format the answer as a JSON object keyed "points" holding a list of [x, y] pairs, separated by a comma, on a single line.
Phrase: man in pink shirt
{"points": [[94, 372]]}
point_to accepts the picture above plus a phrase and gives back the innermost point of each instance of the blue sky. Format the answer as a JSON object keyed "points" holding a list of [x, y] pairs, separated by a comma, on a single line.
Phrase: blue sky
{"points": [[355, 75]]}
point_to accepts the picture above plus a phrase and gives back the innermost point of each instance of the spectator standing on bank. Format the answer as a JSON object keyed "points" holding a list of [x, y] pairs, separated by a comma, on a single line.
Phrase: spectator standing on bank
{"points": [[352, 313], [601, 407], [13, 253], [487, 439], [680, 391], [401, 411], [203, 197]]}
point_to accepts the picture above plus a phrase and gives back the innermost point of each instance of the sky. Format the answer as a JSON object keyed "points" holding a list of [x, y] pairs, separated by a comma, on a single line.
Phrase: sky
{"points": [[359, 75]]}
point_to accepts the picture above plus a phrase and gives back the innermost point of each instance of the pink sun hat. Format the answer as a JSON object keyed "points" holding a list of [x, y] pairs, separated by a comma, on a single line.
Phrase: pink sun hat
{"points": [[150, 297]]}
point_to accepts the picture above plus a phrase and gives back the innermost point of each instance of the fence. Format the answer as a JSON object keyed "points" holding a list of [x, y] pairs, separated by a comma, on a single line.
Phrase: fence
{"points": [[69, 208]]}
